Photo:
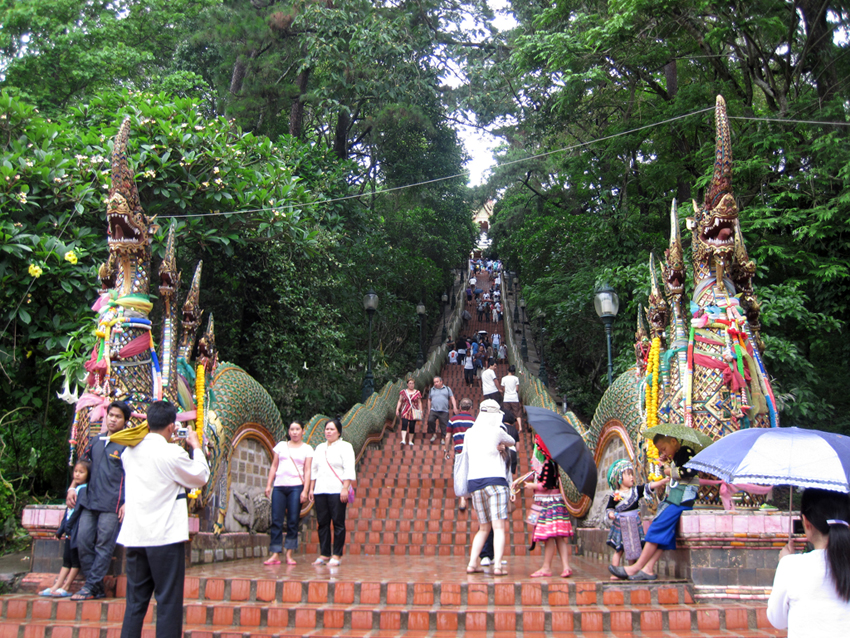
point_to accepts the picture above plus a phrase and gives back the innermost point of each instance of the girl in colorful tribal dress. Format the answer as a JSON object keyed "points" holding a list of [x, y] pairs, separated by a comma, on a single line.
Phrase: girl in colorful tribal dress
{"points": [[623, 509], [553, 522]]}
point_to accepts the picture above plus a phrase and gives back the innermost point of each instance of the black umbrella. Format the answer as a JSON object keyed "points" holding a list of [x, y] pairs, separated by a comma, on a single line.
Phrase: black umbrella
{"points": [[566, 447]]}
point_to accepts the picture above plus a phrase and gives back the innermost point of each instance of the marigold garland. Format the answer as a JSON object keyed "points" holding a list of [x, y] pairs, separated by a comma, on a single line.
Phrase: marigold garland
{"points": [[199, 413], [652, 369]]}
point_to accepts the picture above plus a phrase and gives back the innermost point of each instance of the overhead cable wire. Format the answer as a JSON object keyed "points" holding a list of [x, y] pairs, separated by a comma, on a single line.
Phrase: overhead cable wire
{"points": [[508, 163]]}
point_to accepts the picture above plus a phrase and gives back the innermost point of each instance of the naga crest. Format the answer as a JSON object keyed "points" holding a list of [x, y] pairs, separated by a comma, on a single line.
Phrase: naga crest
{"points": [[128, 228], [673, 266], [658, 311], [169, 276], [715, 224]]}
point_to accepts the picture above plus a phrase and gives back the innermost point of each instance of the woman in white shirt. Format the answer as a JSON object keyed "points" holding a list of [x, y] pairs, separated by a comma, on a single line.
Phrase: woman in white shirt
{"points": [[288, 487], [510, 384], [334, 474], [811, 592]]}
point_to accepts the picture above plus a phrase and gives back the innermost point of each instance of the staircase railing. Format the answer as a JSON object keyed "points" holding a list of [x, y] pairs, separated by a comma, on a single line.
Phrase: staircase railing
{"points": [[534, 393], [365, 420]]}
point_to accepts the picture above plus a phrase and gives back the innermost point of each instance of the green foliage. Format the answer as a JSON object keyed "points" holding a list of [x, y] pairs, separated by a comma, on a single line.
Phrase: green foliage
{"points": [[573, 72]]}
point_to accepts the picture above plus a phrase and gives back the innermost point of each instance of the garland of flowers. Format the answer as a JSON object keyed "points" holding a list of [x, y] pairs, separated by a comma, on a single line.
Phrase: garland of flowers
{"points": [[653, 460], [199, 414], [652, 372]]}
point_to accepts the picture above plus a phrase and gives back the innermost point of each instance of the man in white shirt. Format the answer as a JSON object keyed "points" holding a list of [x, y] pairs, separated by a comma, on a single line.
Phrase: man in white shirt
{"points": [[489, 384], [510, 386], [156, 521]]}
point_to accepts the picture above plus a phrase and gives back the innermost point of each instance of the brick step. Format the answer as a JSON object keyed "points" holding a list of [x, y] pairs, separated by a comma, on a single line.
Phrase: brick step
{"points": [[410, 514], [385, 549], [422, 505], [407, 526], [414, 538], [271, 618]]}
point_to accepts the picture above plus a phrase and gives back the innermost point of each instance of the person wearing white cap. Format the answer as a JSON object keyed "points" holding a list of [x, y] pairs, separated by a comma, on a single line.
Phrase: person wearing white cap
{"points": [[488, 482]]}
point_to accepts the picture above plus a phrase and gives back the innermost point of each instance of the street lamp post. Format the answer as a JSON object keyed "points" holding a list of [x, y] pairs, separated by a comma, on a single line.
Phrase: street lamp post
{"points": [[607, 303], [523, 348], [370, 305], [542, 374], [445, 300], [420, 310]]}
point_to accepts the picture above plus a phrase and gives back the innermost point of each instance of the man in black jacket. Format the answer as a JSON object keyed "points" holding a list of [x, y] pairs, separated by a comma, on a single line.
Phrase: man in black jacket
{"points": [[103, 511]]}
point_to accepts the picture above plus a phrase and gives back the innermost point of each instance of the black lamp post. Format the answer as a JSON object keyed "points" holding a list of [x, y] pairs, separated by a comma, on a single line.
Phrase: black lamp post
{"points": [[516, 316], [420, 310], [542, 374], [445, 300], [523, 348], [453, 295], [370, 305], [607, 303]]}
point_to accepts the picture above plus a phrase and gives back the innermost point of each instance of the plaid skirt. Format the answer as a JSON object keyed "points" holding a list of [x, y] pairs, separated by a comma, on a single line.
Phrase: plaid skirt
{"points": [[554, 520]]}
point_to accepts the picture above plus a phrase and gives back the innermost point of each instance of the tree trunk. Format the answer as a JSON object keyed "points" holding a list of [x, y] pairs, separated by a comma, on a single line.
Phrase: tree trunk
{"points": [[341, 135], [296, 113], [819, 45], [240, 70], [672, 76]]}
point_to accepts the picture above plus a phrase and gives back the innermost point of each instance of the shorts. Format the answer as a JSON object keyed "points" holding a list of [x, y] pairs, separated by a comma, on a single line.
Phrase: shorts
{"points": [[491, 503], [495, 396], [515, 407], [70, 557], [408, 425], [434, 418]]}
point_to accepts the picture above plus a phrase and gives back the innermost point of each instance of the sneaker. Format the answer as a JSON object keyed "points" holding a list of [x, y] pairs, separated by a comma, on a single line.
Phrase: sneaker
{"points": [[767, 507], [485, 562], [433, 438]]}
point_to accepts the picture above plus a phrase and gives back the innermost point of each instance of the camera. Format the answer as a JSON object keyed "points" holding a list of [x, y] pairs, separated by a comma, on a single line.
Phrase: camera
{"points": [[181, 433]]}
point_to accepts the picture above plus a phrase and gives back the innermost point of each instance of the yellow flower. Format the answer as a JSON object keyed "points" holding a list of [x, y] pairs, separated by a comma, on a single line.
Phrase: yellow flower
{"points": [[71, 257], [35, 271]]}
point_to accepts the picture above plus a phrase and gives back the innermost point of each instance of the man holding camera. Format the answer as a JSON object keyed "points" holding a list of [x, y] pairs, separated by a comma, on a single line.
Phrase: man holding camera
{"points": [[156, 521]]}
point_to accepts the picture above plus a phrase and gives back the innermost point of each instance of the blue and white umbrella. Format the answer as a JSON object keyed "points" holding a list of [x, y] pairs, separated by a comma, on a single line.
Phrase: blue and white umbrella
{"points": [[779, 456]]}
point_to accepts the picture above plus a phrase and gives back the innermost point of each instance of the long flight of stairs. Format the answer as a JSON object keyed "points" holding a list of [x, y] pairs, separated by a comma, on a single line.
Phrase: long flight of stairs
{"points": [[403, 574]]}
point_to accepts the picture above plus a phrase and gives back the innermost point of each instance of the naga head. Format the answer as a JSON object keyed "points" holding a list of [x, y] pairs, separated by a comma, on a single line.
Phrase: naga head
{"points": [[715, 223], [192, 307], [207, 353], [658, 311], [128, 228], [673, 266], [169, 277]]}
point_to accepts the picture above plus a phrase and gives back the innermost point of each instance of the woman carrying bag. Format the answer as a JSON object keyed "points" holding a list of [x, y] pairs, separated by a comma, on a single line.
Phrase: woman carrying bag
{"points": [[332, 491], [409, 408]]}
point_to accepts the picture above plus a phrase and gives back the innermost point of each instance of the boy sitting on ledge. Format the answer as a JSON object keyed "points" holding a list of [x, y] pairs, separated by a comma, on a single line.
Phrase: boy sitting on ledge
{"points": [[681, 496]]}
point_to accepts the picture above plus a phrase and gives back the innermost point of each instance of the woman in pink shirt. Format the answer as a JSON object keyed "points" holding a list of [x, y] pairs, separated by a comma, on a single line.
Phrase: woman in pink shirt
{"points": [[288, 477]]}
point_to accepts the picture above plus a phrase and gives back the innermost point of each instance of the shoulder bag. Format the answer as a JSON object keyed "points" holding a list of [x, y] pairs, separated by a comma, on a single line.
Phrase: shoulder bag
{"points": [[460, 476], [417, 412], [350, 487]]}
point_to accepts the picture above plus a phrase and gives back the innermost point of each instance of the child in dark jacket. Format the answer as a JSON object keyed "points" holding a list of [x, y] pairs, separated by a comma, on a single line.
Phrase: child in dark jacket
{"points": [[68, 528]]}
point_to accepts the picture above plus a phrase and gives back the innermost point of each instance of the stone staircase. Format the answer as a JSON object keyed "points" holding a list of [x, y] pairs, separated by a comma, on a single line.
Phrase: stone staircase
{"points": [[403, 574]]}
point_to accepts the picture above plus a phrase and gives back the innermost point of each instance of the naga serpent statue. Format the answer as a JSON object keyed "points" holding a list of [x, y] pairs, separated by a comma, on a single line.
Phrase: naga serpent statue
{"points": [[220, 400], [698, 361]]}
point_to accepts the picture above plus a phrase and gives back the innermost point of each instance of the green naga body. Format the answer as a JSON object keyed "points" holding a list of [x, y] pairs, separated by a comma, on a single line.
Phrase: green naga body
{"points": [[711, 375], [127, 364]]}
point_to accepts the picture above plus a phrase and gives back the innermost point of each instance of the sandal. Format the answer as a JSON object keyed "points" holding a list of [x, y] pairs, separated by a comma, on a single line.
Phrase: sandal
{"points": [[320, 561], [541, 573], [271, 562], [85, 594], [566, 573], [61, 593], [474, 570], [46, 592], [499, 571], [333, 562]]}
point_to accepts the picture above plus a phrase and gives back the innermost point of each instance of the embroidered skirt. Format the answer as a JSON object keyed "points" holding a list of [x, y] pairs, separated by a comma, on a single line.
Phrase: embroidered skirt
{"points": [[634, 532], [554, 520]]}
